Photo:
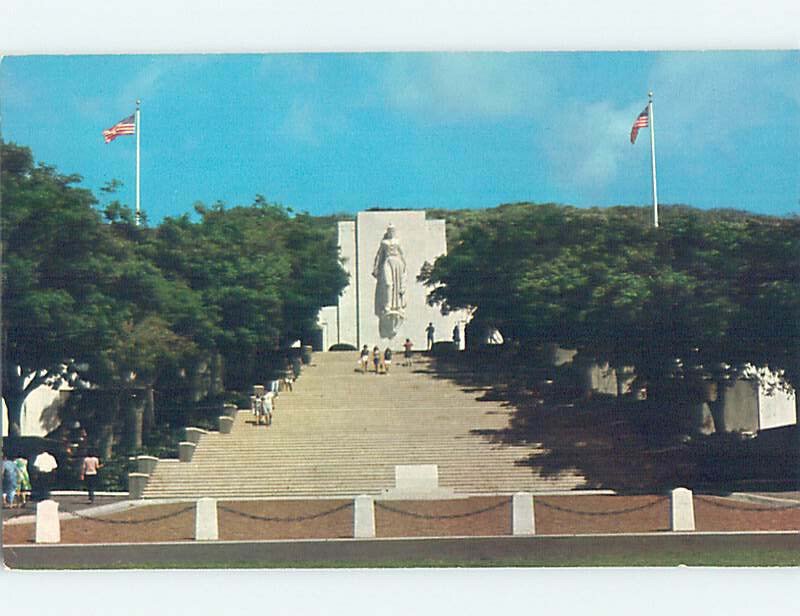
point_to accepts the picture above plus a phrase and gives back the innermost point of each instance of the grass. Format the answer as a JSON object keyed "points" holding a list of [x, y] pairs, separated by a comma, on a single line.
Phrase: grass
{"points": [[729, 557]]}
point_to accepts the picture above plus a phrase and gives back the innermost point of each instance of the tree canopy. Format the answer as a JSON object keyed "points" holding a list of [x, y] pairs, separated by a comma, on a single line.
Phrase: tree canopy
{"points": [[82, 284], [706, 289]]}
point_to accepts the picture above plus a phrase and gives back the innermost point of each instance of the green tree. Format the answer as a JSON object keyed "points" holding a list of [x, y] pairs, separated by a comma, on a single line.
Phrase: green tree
{"points": [[58, 263], [261, 272], [705, 290]]}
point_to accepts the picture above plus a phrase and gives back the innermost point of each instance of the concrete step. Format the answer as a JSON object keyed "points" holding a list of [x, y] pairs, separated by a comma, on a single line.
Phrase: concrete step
{"points": [[340, 433]]}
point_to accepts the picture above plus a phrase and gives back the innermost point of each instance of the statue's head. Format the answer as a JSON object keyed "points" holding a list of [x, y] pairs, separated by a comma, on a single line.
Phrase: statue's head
{"points": [[391, 232]]}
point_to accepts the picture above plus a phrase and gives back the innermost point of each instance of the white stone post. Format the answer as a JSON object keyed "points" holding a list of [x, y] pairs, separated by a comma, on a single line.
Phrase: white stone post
{"points": [[681, 510], [48, 527], [364, 517], [523, 519], [206, 527]]}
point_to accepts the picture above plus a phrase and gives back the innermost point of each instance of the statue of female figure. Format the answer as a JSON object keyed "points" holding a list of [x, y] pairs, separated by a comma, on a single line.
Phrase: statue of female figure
{"points": [[390, 290]]}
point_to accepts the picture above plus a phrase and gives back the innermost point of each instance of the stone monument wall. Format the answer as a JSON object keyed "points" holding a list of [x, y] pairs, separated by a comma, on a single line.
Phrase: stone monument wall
{"points": [[356, 316]]}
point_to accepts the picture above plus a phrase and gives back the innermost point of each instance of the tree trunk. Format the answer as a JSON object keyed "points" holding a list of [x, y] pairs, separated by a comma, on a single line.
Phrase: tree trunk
{"points": [[149, 419], [14, 402], [15, 392], [134, 402], [105, 437], [217, 384]]}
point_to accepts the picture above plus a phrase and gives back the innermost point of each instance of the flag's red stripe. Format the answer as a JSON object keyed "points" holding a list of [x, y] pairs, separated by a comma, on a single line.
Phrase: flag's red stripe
{"points": [[123, 127]]}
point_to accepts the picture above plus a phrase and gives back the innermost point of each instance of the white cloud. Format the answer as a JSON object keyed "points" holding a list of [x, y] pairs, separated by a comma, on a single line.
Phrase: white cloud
{"points": [[590, 142], [453, 87]]}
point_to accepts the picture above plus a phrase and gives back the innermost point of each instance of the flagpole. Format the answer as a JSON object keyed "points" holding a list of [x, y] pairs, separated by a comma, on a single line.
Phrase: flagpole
{"points": [[652, 156], [138, 135]]}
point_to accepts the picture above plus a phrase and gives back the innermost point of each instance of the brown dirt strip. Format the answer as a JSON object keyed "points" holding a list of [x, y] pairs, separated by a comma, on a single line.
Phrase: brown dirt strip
{"points": [[743, 516], [489, 516], [496, 521], [554, 522]]}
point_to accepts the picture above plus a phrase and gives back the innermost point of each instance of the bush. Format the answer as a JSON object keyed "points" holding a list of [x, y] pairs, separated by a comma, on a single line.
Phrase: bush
{"points": [[343, 346]]}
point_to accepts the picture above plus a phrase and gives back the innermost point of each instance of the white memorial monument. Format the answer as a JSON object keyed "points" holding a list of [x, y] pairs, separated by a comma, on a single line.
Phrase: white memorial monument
{"points": [[383, 252]]}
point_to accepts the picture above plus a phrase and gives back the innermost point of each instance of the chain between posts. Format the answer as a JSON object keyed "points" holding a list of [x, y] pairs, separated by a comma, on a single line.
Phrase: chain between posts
{"points": [[713, 501], [159, 518], [299, 518], [425, 516], [653, 503]]}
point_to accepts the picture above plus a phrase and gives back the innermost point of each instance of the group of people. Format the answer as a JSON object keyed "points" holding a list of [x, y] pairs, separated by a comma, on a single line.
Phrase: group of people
{"points": [[430, 335], [262, 403], [382, 360], [16, 481]]}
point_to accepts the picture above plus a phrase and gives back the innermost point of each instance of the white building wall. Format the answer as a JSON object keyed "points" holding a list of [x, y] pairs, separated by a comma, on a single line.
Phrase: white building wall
{"points": [[776, 407], [327, 319], [39, 411], [346, 318]]}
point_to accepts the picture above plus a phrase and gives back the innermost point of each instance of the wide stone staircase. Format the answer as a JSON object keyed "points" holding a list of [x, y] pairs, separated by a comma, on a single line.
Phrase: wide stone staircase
{"points": [[341, 433]]}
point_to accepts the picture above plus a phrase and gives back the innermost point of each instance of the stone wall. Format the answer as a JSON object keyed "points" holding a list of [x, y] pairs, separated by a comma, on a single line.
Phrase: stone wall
{"points": [[356, 323]]}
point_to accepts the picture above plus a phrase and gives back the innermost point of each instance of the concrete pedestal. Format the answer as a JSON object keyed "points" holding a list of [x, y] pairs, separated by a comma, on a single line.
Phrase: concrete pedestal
{"points": [[523, 520], [146, 464], [225, 424], [137, 482], [364, 517], [186, 451], [206, 527], [48, 527], [193, 434], [681, 510]]}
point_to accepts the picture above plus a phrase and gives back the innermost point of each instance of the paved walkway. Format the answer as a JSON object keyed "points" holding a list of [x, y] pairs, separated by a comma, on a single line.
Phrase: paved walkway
{"points": [[67, 503]]}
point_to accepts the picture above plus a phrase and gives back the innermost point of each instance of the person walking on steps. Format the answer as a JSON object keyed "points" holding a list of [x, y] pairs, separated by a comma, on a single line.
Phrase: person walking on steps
{"points": [[364, 359], [407, 345], [387, 359], [376, 359], [430, 330]]}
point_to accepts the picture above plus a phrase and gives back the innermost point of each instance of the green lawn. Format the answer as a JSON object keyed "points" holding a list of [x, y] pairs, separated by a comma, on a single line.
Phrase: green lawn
{"points": [[666, 558]]}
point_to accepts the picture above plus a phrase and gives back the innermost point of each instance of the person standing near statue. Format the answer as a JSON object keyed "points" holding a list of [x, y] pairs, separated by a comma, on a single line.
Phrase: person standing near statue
{"points": [[376, 359], [430, 331], [387, 359]]}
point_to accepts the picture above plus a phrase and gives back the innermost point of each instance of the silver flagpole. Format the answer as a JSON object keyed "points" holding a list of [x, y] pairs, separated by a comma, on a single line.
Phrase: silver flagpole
{"points": [[652, 156], [138, 135]]}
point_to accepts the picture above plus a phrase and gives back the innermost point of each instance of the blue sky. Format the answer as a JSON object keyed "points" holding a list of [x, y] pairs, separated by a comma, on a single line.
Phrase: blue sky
{"points": [[328, 133]]}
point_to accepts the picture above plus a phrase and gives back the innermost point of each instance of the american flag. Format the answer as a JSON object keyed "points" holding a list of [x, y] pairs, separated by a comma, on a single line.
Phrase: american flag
{"points": [[641, 122], [123, 127]]}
